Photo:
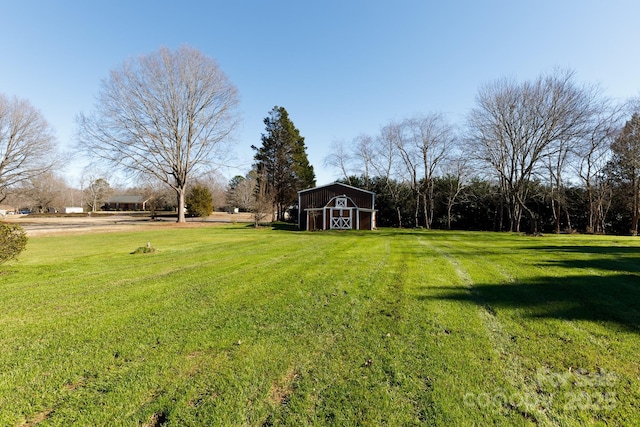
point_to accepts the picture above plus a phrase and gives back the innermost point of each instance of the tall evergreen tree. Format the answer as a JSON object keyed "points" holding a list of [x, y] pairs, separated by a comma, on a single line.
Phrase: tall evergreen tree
{"points": [[282, 161]]}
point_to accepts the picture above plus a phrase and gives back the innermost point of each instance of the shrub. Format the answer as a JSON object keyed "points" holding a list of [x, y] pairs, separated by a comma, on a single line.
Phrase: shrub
{"points": [[199, 201], [143, 250], [13, 240]]}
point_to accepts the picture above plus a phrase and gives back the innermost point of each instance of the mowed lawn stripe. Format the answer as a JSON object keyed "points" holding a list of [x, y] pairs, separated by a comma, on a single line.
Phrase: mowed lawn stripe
{"points": [[259, 283], [556, 319], [235, 326], [112, 314], [478, 364]]}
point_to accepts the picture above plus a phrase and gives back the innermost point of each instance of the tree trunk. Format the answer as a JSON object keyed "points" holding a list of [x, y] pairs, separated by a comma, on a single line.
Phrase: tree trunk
{"points": [[425, 209], [635, 216], [431, 206], [533, 230], [555, 208], [568, 217], [180, 194], [500, 215], [591, 227], [634, 206], [515, 214], [533, 224], [417, 210]]}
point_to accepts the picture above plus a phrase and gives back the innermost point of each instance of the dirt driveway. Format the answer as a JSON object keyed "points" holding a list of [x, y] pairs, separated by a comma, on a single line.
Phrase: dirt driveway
{"points": [[47, 225]]}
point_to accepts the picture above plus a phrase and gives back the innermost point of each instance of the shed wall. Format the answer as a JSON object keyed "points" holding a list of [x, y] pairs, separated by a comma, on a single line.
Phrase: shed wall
{"points": [[319, 197]]}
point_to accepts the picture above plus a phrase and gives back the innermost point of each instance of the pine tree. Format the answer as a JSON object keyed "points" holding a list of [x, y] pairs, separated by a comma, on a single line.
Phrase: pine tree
{"points": [[199, 201], [282, 161]]}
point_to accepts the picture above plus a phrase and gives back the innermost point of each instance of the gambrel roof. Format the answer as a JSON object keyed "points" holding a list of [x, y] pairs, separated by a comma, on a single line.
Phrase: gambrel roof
{"points": [[339, 184], [319, 196]]}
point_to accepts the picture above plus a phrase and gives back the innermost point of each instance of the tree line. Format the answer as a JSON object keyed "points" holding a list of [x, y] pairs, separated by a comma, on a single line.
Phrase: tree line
{"points": [[548, 154]]}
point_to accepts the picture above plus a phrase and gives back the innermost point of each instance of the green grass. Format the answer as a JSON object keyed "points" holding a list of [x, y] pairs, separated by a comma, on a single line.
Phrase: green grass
{"points": [[236, 326]]}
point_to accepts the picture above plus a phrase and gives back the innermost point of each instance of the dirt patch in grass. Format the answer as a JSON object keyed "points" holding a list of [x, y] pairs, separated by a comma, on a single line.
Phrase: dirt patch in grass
{"points": [[282, 389], [38, 418], [157, 420]]}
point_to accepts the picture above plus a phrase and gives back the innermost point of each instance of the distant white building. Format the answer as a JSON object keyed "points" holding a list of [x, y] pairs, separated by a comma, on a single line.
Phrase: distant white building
{"points": [[73, 209], [6, 210]]}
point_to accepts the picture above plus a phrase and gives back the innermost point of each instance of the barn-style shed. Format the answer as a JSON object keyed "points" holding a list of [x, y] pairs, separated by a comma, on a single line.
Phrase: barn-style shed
{"points": [[336, 207]]}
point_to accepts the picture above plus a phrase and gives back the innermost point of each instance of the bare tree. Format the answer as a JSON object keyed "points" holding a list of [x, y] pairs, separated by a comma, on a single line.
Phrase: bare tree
{"points": [[339, 158], [405, 141], [217, 186], [593, 154], [556, 162], [384, 161], [632, 105], [71, 196], [45, 192], [96, 193], [166, 114], [156, 195], [514, 125], [434, 139], [363, 152], [625, 163], [95, 187], [264, 199], [27, 144], [242, 190], [456, 177], [567, 150]]}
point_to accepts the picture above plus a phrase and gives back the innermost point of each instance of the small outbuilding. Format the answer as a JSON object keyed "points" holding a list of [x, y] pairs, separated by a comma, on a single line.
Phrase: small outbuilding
{"points": [[73, 209], [336, 206]]}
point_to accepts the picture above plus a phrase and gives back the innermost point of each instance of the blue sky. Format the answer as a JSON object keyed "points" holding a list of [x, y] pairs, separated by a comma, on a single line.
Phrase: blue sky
{"points": [[340, 68]]}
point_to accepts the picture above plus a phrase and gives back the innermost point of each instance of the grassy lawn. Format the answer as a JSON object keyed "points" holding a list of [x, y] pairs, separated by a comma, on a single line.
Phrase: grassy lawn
{"points": [[236, 326]]}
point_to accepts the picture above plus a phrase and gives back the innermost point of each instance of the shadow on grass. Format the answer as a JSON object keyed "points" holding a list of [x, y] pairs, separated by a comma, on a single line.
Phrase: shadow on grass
{"points": [[588, 249], [602, 286], [278, 226], [611, 299], [610, 258], [284, 226]]}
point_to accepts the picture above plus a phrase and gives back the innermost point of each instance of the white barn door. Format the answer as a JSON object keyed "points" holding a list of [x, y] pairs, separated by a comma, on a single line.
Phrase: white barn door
{"points": [[341, 215]]}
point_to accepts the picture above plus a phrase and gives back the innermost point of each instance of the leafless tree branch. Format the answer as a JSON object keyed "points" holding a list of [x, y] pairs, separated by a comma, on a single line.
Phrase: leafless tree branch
{"points": [[165, 115]]}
